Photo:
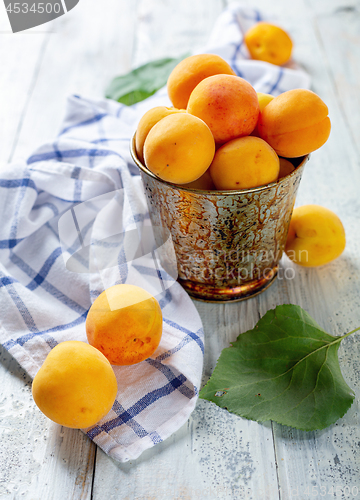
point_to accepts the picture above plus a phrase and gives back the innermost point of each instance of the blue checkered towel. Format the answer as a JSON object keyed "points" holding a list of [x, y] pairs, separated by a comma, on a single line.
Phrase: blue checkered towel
{"points": [[84, 188]]}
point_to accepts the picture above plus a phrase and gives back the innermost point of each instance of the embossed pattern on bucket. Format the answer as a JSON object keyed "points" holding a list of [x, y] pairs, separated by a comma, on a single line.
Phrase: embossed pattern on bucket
{"points": [[227, 243]]}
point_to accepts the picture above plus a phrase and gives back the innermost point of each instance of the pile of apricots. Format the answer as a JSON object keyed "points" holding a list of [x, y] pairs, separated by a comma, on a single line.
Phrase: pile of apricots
{"points": [[221, 134]]}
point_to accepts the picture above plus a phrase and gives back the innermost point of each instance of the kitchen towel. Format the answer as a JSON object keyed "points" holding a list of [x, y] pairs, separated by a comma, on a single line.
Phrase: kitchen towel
{"points": [[82, 194]]}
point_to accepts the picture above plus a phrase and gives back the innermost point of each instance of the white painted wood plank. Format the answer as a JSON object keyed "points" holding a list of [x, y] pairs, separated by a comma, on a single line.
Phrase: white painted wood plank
{"points": [[85, 49], [327, 458], [28, 439], [212, 457], [324, 462], [20, 56], [216, 455], [89, 46], [169, 28], [38, 459], [339, 33]]}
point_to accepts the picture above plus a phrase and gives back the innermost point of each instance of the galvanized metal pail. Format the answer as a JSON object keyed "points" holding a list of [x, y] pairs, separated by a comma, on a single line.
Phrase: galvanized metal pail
{"points": [[228, 244]]}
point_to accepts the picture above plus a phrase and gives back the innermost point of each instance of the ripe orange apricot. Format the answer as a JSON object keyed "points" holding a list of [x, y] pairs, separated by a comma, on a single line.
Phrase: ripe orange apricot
{"points": [[228, 105], [316, 236], [263, 99], [204, 182], [244, 163], [125, 324], [146, 123], [76, 385], [189, 72], [270, 43], [286, 167], [295, 123], [179, 148]]}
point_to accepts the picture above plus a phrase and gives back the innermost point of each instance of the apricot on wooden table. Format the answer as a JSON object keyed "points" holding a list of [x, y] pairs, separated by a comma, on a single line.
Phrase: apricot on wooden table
{"points": [[295, 123], [125, 324], [179, 148], [316, 236], [270, 43], [228, 105], [191, 71], [147, 122], [244, 163], [76, 385]]}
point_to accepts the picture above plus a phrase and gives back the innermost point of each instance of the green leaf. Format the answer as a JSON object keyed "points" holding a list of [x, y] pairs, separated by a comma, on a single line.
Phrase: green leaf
{"points": [[285, 369], [142, 82]]}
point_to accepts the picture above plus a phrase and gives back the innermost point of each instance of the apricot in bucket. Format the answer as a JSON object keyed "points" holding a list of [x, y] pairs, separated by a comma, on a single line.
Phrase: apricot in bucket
{"points": [[264, 100], [244, 163], [228, 105], [146, 123], [191, 71], [295, 123], [179, 148]]}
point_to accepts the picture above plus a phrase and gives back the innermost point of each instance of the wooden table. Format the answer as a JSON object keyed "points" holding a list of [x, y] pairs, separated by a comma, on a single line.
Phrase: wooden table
{"points": [[216, 455]]}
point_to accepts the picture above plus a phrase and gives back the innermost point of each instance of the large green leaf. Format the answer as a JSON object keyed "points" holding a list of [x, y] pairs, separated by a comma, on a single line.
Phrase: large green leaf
{"points": [[142, 82], [285, 369]]}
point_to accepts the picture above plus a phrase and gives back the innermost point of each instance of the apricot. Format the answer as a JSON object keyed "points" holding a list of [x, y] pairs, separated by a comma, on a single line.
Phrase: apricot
{"points": [[125, 324], [244, 163], [179, 148], [295, 123], [316, 236], [264, 100], [76, 385], [228, 105], [204, 182], [146, 123], [191, 71], [270, 43], [286, 167]]}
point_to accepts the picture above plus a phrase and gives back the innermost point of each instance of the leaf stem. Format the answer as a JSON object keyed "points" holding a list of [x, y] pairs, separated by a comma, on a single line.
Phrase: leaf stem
{"points": [[349, 333]]}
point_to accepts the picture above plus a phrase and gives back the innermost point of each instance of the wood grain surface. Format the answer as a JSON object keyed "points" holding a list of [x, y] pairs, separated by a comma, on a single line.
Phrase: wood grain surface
{"points": [[216, 455]]}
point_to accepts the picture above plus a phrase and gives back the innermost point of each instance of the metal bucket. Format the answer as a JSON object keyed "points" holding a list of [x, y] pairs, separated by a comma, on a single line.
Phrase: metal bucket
{"points": [[228, 244]]}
